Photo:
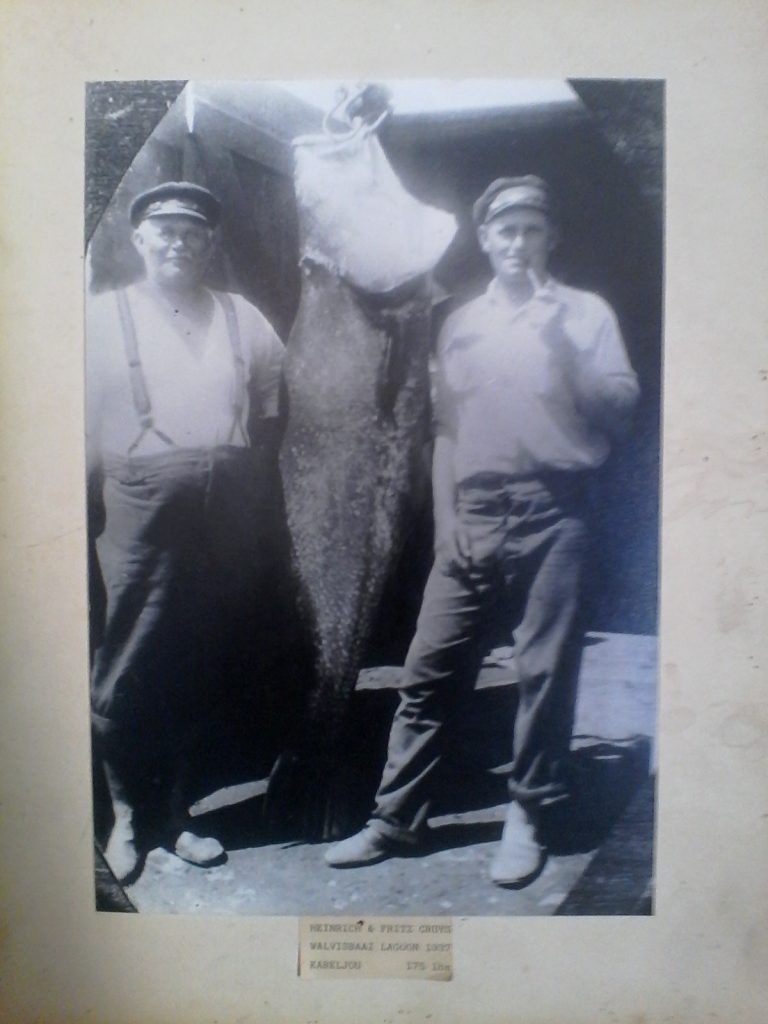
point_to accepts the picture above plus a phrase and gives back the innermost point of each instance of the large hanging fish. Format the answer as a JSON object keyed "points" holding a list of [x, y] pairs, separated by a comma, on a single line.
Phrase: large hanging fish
{"points": [[358, 412]]}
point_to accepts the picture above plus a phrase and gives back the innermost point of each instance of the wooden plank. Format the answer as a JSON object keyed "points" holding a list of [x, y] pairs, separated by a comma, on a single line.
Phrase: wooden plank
{"points": [[255, 121]]}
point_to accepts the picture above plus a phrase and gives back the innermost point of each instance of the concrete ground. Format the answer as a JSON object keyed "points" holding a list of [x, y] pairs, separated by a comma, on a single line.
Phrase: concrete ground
{"points": [[616, 701]]}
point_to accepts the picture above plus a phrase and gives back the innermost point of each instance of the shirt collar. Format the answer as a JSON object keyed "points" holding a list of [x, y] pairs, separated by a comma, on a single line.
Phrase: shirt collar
{"points": [[547, 298], [550, 291]]}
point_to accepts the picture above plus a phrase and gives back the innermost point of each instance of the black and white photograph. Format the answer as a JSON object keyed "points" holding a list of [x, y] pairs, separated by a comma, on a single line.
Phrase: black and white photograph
{"points": [[373, 379]]}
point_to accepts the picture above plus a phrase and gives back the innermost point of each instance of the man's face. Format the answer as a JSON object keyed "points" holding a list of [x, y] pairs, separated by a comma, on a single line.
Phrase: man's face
{"points": [[175, 250], [517, 241]]}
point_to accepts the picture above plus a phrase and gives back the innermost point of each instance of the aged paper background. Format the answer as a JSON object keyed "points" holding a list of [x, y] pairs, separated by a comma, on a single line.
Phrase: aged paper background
{"points": [[702, 957]]}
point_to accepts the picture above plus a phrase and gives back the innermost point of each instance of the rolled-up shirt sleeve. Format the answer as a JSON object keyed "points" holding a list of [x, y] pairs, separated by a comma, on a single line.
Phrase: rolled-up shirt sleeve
{"points": [[444, 411], [267, 356], [267, 383], [97, 334], [605, 382]]}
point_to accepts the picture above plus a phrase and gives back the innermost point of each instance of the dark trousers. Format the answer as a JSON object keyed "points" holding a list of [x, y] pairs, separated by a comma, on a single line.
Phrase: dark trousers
{"points": [[528, 536], [184, 556]]}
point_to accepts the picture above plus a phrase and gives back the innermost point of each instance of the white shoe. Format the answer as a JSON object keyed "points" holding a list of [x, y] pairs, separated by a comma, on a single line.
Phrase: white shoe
{"points": [[519, 857], [203, 852], [368, 846], [121, 853]]}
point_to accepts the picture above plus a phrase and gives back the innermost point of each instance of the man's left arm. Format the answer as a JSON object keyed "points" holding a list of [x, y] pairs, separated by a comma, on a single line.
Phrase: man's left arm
{"points": [[604, 382], [266, 384]]}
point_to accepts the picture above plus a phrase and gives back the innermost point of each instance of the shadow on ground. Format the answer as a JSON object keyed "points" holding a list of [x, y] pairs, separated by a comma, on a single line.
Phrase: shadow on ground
{"points": [[605, 776]]}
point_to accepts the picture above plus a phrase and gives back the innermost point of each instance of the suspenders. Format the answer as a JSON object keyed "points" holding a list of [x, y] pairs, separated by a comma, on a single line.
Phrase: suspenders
{"points": [[233, 331], [139, 391]]}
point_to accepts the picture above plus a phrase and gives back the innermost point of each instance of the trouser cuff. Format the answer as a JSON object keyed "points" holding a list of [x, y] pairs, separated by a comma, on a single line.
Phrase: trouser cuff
{"points": [[398, 833], [535, 796]]}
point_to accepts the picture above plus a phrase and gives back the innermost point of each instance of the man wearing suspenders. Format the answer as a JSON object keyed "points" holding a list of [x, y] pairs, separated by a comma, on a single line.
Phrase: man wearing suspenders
{"points": [[182, 398]]}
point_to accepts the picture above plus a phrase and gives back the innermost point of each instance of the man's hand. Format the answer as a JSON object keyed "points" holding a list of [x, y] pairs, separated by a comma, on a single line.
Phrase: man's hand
{"points": [[452, 543]]}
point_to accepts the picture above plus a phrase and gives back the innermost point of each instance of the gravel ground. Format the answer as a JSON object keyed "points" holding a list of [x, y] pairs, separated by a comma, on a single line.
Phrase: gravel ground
{"points": [[293, 879], [617, 699]]}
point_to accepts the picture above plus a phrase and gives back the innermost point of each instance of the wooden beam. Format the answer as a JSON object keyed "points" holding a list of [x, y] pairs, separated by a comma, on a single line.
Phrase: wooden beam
{"points": [[255, 121]]}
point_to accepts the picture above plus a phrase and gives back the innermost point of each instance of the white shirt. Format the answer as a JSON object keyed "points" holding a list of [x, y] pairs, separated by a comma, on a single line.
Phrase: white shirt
{"points": [[530, 389], [192, 386]]}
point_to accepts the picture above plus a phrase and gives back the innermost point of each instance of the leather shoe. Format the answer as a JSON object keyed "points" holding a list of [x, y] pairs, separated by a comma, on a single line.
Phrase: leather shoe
{"points": [[520, 857], [204, 852], [122, 853], [368, 846]]}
